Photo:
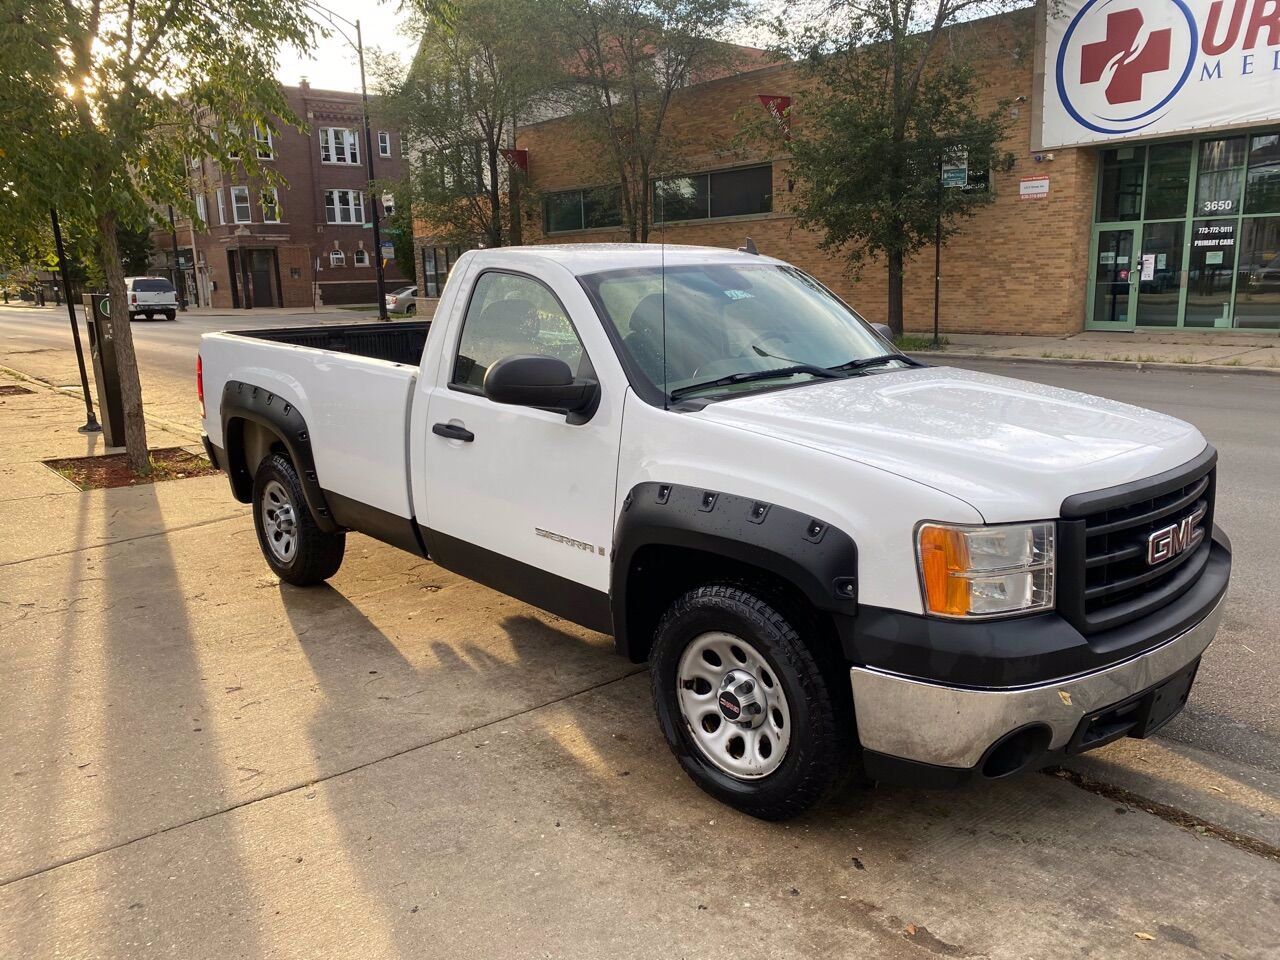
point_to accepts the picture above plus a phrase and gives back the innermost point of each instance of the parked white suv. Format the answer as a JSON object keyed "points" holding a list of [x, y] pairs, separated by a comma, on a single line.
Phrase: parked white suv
{"points": [[829, 553], [151, 297]]}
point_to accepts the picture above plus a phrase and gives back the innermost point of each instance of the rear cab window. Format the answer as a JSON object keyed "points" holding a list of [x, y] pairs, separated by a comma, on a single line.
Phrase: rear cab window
{"points": [[149, 285]]}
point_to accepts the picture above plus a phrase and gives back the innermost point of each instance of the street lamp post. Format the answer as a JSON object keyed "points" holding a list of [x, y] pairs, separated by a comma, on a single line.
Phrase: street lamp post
{"points": [[358, 46], [91, 424]]}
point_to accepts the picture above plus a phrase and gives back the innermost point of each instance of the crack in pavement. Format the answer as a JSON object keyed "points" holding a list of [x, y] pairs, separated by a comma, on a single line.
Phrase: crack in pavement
{"points": [[112, 543], [1167, 812], [291, 788]]}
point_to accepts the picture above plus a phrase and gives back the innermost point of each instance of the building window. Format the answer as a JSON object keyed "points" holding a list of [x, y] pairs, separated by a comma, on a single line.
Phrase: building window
{"points": [[361, 257], [270, 205], [582, 209], [724, 193], [436, 263], [222, 209], [1120, 193], [339, 145], [240, 209], [389, 204], [343, 206], [1220, 177], [1262, 188], [262, 135], [337, 258], [202, 208], [384, 143]]}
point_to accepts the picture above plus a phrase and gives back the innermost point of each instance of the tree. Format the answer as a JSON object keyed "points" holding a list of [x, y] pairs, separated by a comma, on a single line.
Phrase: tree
{"points": [[105, 99], [895, 95], [476, 73], [625, 61]]}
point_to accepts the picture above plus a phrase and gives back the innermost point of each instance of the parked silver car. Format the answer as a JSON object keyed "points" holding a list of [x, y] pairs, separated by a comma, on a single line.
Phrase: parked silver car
{"points": [[403, 301]]}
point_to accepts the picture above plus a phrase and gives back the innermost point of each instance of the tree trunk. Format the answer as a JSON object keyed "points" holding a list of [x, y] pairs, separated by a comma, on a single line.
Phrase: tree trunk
{"points": [[895, 292], [135, 428]]}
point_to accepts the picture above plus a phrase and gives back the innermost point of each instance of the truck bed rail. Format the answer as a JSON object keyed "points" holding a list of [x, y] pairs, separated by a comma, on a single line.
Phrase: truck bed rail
{"points": [[399, 342]]}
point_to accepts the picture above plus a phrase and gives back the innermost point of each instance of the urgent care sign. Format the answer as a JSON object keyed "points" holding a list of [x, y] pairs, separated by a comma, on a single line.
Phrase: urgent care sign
{"points": [[1136, 68]]}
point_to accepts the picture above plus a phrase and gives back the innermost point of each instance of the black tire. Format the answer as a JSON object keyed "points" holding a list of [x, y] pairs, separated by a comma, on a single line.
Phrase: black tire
{"points": [[410, 310], [820, 755], [315, 555], [171, 315]]}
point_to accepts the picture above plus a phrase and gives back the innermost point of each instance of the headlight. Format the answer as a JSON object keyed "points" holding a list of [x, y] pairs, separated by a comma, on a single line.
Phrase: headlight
{"points": [[974, 572]]}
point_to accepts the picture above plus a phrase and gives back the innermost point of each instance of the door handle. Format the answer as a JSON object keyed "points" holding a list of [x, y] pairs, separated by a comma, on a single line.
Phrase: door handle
{"points": [[451, 431]]}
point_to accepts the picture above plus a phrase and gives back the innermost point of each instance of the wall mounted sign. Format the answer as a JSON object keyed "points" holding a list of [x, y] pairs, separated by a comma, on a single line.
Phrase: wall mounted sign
{"points": [[1033, 188], [1128, 68]]}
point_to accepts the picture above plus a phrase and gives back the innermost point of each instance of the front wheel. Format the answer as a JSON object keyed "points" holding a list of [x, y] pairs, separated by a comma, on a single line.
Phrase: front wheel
{"points": [[745, 705], [297, 550]]}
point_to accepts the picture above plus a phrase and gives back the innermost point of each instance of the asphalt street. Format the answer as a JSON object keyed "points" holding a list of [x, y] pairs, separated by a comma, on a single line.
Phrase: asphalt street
{"points": [[1234, 709]]}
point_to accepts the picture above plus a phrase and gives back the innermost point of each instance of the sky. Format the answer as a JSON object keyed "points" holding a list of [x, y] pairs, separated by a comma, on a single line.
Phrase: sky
{"points": [[333, 65]]}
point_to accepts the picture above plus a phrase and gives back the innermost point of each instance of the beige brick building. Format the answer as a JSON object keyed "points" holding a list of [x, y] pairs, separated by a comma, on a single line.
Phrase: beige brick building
{"points": [[1129, 231]]}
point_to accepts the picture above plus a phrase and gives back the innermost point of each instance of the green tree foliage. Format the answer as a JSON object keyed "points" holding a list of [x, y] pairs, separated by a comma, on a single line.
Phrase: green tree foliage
{"points": [[895, 93], [624, 62], [477, 72], [104, 99]]}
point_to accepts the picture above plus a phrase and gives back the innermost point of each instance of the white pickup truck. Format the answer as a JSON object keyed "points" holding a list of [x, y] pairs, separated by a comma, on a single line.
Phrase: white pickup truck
{"points": [[834, 558]]}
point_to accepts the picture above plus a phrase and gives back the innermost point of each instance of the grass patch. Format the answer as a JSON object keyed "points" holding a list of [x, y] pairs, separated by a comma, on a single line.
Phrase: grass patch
{"points": [[912, 342]]}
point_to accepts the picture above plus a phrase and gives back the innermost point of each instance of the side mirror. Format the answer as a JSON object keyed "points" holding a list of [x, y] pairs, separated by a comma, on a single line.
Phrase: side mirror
{"points": [[883, 330], [532, 380]]}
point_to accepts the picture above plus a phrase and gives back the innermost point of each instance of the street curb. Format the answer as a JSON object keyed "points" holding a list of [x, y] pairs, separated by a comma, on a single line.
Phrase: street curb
{"points": [[927, 355]]}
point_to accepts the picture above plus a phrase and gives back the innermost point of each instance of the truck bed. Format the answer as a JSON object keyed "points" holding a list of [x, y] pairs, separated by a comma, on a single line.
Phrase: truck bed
{"points": [[398, 342]]}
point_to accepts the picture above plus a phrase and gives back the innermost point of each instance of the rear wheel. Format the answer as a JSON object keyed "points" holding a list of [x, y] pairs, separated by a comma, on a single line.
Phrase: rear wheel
{"points": [[170, 315], [744, 704], [410, 310], [297, 550]]}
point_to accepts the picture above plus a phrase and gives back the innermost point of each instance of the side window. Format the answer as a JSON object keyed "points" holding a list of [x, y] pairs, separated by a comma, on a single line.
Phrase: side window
{"points": [[511, 314]]}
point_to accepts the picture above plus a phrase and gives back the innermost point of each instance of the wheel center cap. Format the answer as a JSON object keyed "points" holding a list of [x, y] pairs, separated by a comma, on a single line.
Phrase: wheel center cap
{"points": [[742, 699]]}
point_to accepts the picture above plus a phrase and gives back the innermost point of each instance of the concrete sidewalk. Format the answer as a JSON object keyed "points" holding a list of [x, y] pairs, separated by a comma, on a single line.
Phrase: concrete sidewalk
{"points": [[201, 762], [1222, 350]]}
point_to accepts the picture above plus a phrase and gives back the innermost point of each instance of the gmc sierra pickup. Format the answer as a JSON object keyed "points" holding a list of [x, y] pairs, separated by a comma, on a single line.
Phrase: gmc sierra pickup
{"points": [[834, 557]]}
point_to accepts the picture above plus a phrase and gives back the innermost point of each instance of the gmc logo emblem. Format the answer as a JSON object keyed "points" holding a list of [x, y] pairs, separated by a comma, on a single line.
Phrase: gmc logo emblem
{"points": [[1167, 542]]}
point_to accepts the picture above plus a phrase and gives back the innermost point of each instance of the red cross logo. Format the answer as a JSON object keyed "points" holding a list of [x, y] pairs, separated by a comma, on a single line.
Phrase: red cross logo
{"points": [[1120, 56]]}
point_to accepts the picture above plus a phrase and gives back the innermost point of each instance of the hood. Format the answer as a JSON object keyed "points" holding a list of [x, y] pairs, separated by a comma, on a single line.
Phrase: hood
{"points": [[1013, 450]]}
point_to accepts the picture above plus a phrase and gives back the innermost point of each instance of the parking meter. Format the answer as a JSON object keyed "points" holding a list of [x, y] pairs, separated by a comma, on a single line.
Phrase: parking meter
{"points": [[106, 375]]}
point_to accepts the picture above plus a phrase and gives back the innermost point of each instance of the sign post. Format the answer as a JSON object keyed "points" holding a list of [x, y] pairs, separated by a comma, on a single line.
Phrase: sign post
{"points": [[953, 171]]}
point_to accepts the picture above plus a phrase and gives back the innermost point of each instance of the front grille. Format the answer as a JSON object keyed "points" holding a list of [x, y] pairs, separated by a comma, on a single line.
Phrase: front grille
{"points": [[1104, 578]]}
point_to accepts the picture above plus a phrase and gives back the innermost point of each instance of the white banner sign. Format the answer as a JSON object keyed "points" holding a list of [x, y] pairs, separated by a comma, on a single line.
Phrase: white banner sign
{"points": [[1118, 69]]}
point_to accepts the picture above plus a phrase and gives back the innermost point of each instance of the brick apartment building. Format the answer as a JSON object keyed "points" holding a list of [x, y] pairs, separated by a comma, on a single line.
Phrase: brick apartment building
{"points": [[305, 242], [1102, 222]]}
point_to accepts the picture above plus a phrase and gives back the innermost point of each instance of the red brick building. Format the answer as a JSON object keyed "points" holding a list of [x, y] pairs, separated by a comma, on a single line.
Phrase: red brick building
{"points": [[307, 242], [1103, 221]]}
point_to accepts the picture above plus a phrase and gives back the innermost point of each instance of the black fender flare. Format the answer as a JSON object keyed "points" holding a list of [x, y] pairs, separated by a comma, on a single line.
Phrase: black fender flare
{"points": [[817, 558], [244, 401]]}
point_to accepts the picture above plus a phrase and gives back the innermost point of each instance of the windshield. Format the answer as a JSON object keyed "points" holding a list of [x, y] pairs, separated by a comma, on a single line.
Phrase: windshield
{"points": [[725, 321], [148, 285]]}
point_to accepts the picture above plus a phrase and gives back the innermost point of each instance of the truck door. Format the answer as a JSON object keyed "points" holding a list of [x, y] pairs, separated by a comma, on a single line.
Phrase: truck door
{"points": [[518, 497]]}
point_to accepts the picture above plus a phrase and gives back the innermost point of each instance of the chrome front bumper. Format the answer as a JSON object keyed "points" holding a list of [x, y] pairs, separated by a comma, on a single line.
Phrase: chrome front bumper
{"points": [[953, 727]]}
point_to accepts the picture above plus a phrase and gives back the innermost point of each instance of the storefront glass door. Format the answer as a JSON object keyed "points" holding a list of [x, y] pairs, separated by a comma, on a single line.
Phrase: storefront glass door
{"points": [[1114, 280], [1187, 234]]}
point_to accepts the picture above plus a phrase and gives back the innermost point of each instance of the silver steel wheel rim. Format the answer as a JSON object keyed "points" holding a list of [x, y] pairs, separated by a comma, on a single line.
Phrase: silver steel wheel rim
{"points": [[279, 521], [753, 745]]}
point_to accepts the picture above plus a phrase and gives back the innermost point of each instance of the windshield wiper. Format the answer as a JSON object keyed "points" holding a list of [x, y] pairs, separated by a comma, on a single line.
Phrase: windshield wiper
{"points": [[878, 361], [749, 375]]}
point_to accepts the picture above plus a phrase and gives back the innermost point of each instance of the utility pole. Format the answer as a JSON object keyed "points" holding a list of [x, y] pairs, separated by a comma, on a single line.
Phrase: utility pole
{"points": [[91, 424], [373, 196], [180, 280]]}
